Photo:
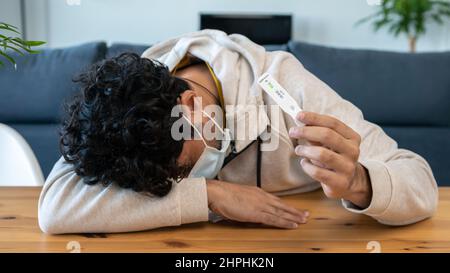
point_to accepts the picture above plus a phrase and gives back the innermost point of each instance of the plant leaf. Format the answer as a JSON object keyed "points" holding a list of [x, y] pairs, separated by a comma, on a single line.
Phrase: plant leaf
{"points": [[18, 44], [33, 43], [11, 60], [9, 28], [8, 25], [13, 48]]}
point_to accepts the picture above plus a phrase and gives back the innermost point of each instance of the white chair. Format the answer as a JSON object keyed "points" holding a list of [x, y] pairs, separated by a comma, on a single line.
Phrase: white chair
{"points": [[18, 164]]}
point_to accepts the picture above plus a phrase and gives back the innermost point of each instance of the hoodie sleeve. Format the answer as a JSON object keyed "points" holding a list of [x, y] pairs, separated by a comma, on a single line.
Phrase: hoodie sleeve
{"points": [[68, 205], [403, 185]]}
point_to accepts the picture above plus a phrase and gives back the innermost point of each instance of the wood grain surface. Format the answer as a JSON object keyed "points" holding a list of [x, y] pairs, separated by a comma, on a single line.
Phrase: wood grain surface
{"points": [[330, 229]]}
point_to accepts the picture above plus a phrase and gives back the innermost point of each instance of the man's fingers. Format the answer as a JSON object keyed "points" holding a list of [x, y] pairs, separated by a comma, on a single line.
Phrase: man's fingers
{"points": [[276, 221], [287, 212], [328, 159], [310, 118], [291, 210], [322, 175], [317, 163], [325, 136], [285, 215], [278, 204]]}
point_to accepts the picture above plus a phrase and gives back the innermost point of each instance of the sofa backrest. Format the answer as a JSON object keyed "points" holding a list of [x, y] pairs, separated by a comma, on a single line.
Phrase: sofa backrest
{"points": [[391, 88], [408, 95], [32, 96], [34, 92], [117, 48]]}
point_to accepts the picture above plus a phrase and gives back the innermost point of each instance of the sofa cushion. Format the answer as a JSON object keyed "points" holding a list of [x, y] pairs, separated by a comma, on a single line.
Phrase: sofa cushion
{"points": [[35, 91], [44, 141], [276, 47], [432, 143], [390, 88], [117, 48]]}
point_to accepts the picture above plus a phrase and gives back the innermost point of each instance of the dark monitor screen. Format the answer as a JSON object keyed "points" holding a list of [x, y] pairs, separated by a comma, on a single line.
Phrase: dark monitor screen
{"points": [[261, 29]]}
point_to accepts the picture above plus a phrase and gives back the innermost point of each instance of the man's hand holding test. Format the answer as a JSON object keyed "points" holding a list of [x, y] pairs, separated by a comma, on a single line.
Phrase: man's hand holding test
{"points": [[332, 157]]}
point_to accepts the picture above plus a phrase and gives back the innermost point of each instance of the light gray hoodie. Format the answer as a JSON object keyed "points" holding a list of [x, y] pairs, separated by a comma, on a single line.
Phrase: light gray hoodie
{"points": [[404, 189]]}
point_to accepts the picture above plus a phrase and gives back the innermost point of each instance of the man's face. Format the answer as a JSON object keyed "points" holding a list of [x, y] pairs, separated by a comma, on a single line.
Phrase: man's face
{"points": [[191, 152], [193, 148]]}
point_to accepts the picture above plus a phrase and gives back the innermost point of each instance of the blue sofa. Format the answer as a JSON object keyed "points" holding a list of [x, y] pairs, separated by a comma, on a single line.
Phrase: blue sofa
{"points": [[407, 94]]}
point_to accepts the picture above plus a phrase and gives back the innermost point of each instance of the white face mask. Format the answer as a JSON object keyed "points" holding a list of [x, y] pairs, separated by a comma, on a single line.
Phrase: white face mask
{"points": [[211, 160]]}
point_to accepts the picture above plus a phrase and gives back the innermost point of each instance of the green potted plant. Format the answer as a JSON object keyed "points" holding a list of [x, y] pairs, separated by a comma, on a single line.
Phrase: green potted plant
{"points": [[409, 17], [10, 43]]}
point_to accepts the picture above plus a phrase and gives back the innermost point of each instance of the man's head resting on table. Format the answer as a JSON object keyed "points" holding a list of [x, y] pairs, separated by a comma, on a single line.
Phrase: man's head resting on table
{"points": [[117, 129]]}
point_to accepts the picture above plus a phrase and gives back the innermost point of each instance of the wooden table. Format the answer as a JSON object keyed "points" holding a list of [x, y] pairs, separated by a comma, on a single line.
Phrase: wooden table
{"points": [[331, 229]]}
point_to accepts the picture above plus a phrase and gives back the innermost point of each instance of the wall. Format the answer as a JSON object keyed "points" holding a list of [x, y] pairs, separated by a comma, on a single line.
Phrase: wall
{"points": [[10, 12], [328, 22]]}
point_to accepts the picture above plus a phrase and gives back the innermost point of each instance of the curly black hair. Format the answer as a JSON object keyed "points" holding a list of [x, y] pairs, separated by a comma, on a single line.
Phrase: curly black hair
{"points": [[117, 128]]}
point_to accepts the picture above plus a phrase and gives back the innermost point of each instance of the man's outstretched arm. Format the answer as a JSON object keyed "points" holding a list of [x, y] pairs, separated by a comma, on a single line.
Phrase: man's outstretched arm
{"points": [[68, 205]]}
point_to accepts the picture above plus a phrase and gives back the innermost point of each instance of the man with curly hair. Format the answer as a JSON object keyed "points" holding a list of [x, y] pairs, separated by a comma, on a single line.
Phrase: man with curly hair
{"points": [[124, 169]]}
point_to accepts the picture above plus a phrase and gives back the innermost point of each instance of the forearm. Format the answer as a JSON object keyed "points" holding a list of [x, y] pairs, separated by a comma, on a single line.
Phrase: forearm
{"points": [[68, 205], [211, 189]]}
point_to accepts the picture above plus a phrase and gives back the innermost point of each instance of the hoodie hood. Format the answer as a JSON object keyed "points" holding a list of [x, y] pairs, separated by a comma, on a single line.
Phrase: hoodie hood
{"points": [[238, 63]]}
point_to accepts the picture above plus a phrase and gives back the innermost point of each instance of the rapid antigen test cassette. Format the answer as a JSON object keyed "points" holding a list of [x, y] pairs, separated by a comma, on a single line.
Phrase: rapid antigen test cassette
{"points": [[280, 96]]}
